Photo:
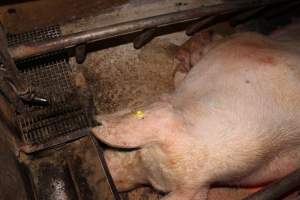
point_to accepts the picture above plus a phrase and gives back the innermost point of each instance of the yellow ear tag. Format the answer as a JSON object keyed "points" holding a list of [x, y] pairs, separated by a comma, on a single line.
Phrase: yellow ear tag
{"points": [[139, 114]]}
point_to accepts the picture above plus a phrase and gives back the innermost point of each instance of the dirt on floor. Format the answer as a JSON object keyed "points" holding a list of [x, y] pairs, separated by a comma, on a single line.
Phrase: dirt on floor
{"points": [[122, 77]]}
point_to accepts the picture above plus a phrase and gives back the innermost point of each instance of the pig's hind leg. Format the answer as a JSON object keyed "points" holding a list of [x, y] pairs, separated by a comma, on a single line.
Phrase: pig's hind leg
{"points": [[283, 164], [189, 54], [192, 51]]}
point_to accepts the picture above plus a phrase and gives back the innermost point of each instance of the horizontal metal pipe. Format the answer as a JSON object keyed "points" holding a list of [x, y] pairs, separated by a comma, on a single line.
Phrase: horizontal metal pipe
{"points": [[28, 149], [38, 48], [279, 189]]}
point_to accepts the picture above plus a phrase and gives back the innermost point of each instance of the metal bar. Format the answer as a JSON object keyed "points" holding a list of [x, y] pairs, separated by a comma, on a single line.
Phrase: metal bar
{"points": [[204, 23], [13, 78], [54, 142], [105, 167], [8, 62], [145, 37], [281, 9], [245, 16], [80, 53], [11, 70], [73, 178], [38, 48], [279, 189]]}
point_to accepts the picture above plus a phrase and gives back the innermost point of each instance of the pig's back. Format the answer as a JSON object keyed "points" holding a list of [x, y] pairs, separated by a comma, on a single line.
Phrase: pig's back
{"points": [[244, 89], [241, 103]]}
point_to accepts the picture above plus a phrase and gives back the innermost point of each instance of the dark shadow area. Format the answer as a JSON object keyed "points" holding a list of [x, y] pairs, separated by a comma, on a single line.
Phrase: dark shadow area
{"points": [[12, 185], [10, 2]]}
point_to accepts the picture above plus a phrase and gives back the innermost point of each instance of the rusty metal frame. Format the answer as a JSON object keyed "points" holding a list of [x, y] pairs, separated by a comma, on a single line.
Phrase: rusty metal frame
{"points": [[135, 26], [279, 189], [28, 149]]}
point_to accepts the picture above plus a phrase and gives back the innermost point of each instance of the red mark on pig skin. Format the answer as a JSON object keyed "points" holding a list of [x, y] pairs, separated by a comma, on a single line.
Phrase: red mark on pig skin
{"points": [[267, 60]]}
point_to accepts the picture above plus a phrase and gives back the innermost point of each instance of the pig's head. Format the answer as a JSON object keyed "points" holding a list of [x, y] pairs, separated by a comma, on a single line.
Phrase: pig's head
{"points": [[135, 129], [154, 126]]}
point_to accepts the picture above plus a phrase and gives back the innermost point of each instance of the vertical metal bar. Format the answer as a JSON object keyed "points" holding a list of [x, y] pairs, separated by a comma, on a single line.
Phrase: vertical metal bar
{"points": [[9, 63], [105, 168]]}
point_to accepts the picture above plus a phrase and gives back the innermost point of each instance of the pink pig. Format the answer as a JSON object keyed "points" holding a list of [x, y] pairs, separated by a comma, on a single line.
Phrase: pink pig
{"points": [[233, 121]]}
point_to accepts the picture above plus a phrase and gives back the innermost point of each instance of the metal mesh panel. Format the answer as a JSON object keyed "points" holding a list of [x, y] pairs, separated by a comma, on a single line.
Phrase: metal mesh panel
{"points": [[50, 77], [41, 34]]}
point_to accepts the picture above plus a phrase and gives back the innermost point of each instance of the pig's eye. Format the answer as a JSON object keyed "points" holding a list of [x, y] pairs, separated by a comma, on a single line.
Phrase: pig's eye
{"points": [[138, 114]]}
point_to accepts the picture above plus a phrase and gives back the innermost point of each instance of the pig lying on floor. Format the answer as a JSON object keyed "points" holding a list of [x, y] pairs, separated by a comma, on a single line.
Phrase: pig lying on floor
{"points": [[234, 121]]}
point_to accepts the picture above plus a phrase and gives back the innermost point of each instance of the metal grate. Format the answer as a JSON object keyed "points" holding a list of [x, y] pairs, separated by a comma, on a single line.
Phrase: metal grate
{"points": [[50, 77], [41, 34]]}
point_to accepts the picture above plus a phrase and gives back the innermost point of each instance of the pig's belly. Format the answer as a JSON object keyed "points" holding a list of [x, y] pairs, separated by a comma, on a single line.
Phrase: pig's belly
{"points": [[280, 166]]}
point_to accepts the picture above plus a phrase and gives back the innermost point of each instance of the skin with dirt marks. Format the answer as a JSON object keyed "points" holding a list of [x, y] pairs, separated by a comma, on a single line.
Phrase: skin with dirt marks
{"points": [[234, 120]]}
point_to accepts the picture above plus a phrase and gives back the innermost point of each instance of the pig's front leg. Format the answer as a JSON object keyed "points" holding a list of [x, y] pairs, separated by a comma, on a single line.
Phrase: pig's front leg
{"points": [[189, 53], [188, 194], [126, 169], [192, 51]]}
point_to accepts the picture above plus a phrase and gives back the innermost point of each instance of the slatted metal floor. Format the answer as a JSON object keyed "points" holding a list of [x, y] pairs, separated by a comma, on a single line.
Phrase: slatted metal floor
{"points": [[50, 77]]}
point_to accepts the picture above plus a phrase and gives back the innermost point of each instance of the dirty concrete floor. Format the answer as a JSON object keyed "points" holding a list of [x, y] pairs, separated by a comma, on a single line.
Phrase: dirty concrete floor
{"points": [[123, 77]]}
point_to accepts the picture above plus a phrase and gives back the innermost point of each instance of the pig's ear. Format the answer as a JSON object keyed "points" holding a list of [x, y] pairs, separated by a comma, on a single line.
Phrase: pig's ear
{"points": [[139, 128], [127, 132], [121, 133]]}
